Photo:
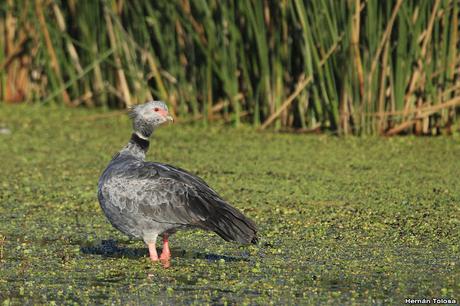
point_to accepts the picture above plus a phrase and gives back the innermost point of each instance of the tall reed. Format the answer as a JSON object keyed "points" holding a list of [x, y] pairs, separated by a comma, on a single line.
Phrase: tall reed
{"points": [[352, 67]]}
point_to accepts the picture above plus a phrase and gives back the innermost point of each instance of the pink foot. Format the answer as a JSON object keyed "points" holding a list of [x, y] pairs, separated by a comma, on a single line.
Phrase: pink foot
{"points": [[166, 253], [165, 256], [153, 251]]}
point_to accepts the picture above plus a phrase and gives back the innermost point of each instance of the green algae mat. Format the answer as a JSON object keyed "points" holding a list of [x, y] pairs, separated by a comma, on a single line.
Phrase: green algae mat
{"points": [[342, 220]]}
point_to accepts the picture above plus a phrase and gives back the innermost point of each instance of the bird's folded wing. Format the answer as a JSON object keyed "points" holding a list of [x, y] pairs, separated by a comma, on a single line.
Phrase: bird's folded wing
{"points": [[170, 201], [162, 193], [166, 194]]}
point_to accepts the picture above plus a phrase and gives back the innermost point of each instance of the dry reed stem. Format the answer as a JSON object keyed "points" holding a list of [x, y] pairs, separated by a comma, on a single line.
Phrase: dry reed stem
{"points": [[418, 72], [383, 41], [84, 98], [152, 62], [70, 47], [449, 103], [195, 24], [398, 129], [381, 101], [279, 111], [156, 74], [122, 82], [215, 109], [423, 113], [16, 50], [300, 86], [51, 51], [73, 54], [331, 51], [344, 112], [385, 37], [355, 45]]}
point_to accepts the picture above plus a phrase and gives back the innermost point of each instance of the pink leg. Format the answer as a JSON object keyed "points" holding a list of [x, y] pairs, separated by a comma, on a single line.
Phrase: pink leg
{"points": [[166, 253], [153, 251]]}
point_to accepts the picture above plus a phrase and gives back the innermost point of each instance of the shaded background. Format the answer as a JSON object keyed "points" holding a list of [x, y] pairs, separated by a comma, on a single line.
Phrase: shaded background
{"points": [[360, 67]]}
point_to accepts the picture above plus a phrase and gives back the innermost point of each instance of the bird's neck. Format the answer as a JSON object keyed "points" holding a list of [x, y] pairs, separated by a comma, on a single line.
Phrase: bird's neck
{"points": [[137, 146]]}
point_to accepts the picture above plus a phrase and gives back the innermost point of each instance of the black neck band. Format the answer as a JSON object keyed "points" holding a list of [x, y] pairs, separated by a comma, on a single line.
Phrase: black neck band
{"points": [[143, 143]]}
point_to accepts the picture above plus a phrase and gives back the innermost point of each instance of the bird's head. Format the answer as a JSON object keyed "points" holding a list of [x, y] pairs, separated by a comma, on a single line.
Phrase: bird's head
{"points": [[146, 117]]}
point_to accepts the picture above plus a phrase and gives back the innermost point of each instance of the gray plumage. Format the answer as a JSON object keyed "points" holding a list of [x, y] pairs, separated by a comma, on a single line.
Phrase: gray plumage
{"points": [[145, 199]]}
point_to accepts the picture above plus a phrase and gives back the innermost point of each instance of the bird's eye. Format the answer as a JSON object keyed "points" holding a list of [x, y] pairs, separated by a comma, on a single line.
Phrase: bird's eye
{"points": [[156, 109]]}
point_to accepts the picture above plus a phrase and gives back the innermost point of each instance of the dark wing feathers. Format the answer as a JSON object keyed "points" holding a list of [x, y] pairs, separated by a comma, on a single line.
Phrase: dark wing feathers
{"points": [[225, 220], [172, 170], [172, 195]]}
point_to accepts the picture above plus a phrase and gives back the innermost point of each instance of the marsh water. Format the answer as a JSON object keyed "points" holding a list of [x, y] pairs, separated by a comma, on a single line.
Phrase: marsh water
{"points": [[342, 220]]}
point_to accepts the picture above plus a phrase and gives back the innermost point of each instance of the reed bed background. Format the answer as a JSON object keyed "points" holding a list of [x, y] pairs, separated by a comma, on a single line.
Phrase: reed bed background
{"points": [[351, 66]]}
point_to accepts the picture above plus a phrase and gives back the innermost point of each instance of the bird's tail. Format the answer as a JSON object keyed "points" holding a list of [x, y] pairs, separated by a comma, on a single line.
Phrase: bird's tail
{"points": [[230, 224]]}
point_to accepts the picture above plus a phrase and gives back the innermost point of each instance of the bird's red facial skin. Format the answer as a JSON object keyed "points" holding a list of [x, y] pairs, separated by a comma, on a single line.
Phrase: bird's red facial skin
{"points": [[161, 111]]}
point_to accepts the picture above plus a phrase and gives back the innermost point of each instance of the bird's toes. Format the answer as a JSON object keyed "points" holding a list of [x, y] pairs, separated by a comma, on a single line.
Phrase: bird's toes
{"points": [[166, 263], [165, 256]]}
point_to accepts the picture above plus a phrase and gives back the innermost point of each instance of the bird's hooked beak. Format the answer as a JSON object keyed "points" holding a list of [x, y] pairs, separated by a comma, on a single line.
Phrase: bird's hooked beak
{"points": [[165, 115]]}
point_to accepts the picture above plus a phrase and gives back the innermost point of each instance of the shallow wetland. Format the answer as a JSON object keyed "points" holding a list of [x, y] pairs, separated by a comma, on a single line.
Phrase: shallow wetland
{"points": [[342, 220]]}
